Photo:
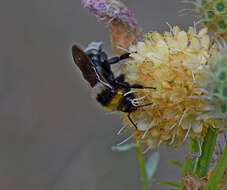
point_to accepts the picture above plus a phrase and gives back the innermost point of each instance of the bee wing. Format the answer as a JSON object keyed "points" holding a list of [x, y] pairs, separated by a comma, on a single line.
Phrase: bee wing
{"points": [[85, 65]]}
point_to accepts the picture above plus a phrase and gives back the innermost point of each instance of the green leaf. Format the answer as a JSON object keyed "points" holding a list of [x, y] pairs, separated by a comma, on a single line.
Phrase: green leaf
{"points": [[152, 164], [123, 148], [174, 184], [175, 162], [208, 148], [190, 163], [218, 171]]}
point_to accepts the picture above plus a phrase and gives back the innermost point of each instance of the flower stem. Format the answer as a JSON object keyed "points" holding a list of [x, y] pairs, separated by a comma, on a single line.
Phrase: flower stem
{"points": [[218, 171], [189, 164], [208, 148], [141, 161]]}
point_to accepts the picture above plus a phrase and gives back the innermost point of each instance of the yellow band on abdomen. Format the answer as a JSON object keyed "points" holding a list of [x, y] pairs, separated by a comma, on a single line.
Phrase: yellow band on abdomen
{"points": [[116, 100]]}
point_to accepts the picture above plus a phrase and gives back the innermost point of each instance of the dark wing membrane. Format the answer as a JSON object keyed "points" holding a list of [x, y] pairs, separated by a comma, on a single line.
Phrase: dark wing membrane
{"points": [[84, 64]]}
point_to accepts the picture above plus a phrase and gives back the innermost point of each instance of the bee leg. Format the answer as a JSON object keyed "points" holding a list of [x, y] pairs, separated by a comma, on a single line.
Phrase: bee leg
{"points": [[130, 119], [129, 115], [125, 56], [120, 81], [120, 78], [138, 86], [114, 60]]}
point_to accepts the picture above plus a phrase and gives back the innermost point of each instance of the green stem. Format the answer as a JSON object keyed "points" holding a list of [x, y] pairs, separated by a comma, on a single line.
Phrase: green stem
{"points": [[189, 164], [208, 148], [218, 172], [141, 161]]}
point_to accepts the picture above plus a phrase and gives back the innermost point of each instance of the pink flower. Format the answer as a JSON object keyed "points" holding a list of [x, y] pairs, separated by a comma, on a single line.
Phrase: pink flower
{"points": [[110, 10]]}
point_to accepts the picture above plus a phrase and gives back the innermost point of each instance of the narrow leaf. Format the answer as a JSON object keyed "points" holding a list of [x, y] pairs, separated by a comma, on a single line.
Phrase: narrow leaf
{"points": [[174, 184], [123, 148], [208, 148], [152, 164], [175, 162], [218, 172]]}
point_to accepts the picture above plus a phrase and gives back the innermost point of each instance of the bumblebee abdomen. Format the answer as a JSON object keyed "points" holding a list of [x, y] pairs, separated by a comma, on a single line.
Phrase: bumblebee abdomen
{"points": [[115, 103], [109, 99]]}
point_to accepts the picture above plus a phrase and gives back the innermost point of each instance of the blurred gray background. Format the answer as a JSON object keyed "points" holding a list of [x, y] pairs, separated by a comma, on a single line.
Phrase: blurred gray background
{"points": [[53, 136]]}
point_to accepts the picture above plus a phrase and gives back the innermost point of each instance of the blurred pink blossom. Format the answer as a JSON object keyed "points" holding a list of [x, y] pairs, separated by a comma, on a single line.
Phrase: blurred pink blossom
{"points": [[110, 10]]}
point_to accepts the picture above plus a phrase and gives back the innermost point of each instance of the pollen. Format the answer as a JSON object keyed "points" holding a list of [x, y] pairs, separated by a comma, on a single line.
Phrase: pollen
{"points": [[174, 63]]}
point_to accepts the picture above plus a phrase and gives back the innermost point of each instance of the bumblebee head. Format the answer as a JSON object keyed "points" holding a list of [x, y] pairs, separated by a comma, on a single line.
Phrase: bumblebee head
{"points": [[127, 105], [94, 48]]}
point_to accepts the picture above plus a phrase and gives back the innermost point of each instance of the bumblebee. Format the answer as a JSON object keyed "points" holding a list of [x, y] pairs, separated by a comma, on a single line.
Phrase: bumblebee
{"points": [[112, 93]]}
